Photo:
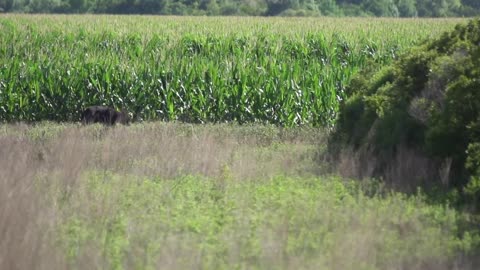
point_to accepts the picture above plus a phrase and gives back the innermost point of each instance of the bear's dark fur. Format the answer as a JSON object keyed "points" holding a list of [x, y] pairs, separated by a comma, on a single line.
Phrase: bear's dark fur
{"points": [[104, 115]]}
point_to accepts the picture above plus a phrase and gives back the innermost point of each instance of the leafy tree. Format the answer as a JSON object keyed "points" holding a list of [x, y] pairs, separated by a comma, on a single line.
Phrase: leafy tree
{"points": [[355, 2], [149, 6], [275, 7], [6, 5], [437, 8], [406, 8], [328, 7], [77, 5], [472, 3], [390, 8], [45, 6], [384, 8]]}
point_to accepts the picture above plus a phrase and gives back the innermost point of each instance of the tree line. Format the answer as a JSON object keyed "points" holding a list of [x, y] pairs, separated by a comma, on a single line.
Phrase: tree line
{"points": [[379, 8]]}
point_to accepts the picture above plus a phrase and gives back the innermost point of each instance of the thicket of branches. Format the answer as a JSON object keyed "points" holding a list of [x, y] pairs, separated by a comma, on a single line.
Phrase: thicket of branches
{"points": [[388, 8]]}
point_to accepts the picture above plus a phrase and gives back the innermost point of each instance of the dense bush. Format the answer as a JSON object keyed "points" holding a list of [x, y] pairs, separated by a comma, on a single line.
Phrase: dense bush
{"points": [[428, 100]]}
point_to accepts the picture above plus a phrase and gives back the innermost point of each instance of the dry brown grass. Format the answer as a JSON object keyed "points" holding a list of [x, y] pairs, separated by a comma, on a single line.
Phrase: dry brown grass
{"points": [[406, 170], [29, 155], [162, 150], [25, 220]]}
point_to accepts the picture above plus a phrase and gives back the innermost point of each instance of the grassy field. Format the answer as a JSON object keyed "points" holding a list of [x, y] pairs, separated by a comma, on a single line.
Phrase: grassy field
{"points": [[285, 71], [177, 196], [170, 195]]}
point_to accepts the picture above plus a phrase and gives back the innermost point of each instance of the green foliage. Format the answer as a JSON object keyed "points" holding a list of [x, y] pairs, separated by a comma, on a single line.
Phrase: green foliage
{"points": [[51, 67], [472, 189], [472, 192], [473, 158], [382, 8], [217, 223], [427, 100], [406, 8], [438, 8]]}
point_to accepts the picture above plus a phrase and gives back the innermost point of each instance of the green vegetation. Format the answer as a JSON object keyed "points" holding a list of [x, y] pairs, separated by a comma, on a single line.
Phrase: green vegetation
{"points": [[386, 8], [210, 197], [285, 72], [220, 195], [427, 101], [273, 223]]}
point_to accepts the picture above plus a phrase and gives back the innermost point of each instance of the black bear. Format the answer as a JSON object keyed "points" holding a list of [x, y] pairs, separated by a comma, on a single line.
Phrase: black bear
{"points": [[104, 115]]}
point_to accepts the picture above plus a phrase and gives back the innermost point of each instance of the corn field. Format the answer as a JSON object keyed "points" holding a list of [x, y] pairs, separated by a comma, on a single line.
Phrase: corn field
{"points": [[285, 71]]}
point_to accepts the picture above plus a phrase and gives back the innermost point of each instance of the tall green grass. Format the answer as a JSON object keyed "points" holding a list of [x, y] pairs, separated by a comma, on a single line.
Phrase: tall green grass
{"points": [[282, 71]]}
